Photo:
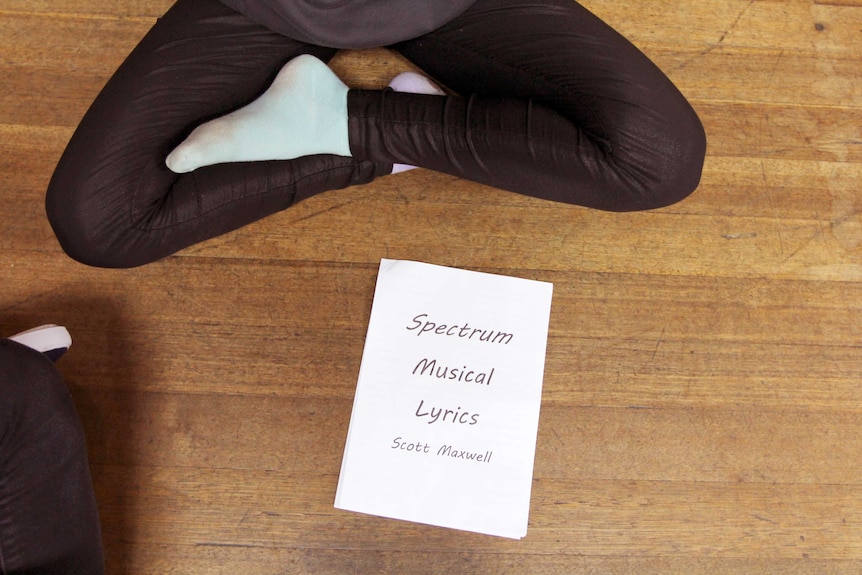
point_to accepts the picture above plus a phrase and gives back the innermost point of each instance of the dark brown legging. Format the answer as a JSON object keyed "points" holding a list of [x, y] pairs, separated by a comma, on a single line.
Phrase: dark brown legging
{"points": [[551, 103], [49, 523]]}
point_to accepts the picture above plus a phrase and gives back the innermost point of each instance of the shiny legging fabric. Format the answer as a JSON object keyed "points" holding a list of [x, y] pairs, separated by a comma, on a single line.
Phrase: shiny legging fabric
{"points": [[547, 101], [49, 523]]}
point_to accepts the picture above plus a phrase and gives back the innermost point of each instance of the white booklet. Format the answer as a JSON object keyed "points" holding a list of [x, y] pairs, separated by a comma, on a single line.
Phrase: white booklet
{"points": [[444, 422]]}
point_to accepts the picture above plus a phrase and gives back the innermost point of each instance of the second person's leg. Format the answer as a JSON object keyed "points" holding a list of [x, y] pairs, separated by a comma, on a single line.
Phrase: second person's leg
{"points": [[49, 521]]}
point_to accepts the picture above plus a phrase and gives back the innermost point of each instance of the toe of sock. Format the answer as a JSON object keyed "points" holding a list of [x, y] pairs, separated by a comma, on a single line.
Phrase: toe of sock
{"points": [[414, 83], [179, 161]]}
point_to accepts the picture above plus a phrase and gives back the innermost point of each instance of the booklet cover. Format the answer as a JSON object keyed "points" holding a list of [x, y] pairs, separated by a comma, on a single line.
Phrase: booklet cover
{"points": [[444, 422]]}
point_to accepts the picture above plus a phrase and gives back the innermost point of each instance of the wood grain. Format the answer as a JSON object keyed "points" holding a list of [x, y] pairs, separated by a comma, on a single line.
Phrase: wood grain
{"points": [[703, 387]]}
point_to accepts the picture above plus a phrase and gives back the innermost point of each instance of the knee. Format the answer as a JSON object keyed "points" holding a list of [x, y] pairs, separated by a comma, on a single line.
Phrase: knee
{"points": [[77, 240], [683, 167], [82, 230], [669, 173]]}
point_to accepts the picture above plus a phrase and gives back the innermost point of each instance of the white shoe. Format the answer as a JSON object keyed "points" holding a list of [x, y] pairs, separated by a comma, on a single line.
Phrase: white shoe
{"points": [[52, 340]]}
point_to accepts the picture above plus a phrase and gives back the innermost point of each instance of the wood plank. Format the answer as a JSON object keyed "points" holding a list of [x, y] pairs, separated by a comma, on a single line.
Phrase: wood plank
{"points": [[556, 237], [704, 373], [160, 559], [90, 8], [779, 131], [625, 339], [763, 76], [783, 76], [839, 2], [482, 230], [306, 436], [785, 24], [38, 42], [610, 518], [790, 26]]}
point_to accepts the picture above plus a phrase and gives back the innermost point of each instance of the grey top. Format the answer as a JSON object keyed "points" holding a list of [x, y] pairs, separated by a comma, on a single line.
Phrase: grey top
{"points": [[351, 23]]}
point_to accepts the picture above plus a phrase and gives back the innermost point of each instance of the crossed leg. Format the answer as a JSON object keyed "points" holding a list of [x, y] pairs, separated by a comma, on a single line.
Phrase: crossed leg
{"points": [[556, 105], [113, 202], [552, 103]]}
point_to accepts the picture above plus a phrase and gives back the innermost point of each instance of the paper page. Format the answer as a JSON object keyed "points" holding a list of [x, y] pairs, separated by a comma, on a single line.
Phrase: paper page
{"points": [[444, 421]]}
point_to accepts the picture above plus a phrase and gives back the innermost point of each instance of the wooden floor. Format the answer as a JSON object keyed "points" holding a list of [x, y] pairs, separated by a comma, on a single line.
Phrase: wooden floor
{"points": [[702, 407]]}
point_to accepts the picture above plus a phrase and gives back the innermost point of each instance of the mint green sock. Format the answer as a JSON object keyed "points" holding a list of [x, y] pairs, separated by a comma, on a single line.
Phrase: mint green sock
{"points": [[303, 112]]}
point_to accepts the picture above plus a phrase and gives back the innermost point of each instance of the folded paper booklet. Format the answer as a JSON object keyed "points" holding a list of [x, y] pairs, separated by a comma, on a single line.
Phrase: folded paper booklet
{"points": [[444, 422]]}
